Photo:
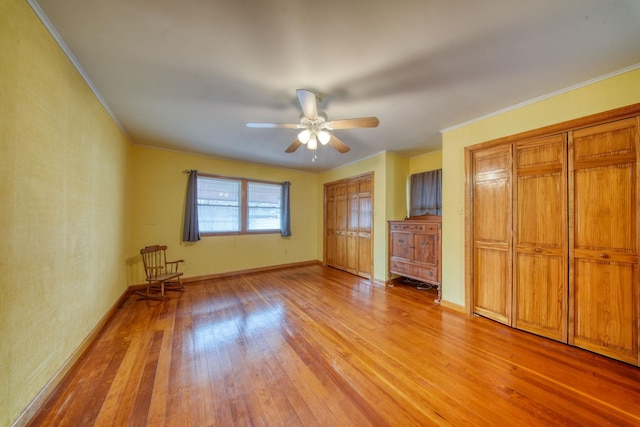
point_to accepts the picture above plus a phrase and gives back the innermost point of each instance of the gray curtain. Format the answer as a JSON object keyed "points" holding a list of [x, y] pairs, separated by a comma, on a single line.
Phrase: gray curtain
{"points": [[191, 231], [285, 214], [426, 193]]}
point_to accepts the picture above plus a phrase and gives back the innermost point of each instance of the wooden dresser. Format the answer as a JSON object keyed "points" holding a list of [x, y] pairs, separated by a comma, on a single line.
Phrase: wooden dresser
{"points": [[415, 249]]}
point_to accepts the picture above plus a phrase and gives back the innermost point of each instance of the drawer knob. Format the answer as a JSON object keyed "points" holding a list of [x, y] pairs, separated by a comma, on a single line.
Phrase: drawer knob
{"points": [[604, 256]]}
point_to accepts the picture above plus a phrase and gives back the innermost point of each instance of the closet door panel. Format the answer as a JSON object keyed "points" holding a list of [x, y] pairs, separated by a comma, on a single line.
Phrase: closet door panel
{"points": [[491, 296], [605, 217], [351, 263], [604, 250], [330, 224], [341, 227], [540, 303], [606, 308], [541, 260], [364, 256], [365, 249], [541, 209], [618, 139], [492, 218]]}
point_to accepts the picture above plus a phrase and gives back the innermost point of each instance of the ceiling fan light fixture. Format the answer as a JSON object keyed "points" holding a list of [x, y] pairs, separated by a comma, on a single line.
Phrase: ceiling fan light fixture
{"points": [[313, 142], [324, 137], [304, 136]]}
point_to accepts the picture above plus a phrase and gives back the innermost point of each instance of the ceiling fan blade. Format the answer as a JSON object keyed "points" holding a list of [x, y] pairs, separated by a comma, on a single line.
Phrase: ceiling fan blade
{"points": [[309, 103], [338, 145], [362, 122], [272, 125], [293, 147]]}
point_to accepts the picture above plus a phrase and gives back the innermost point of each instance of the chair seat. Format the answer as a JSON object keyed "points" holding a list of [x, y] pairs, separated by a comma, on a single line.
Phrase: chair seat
{"points": [[163, 277]]}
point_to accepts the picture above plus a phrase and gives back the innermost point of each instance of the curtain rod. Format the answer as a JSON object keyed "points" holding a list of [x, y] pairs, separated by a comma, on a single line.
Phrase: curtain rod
{"points": [[191, 170]]}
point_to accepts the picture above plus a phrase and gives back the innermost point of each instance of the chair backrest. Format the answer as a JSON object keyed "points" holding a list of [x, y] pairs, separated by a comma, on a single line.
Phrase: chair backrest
{"points": [[153, 258]]}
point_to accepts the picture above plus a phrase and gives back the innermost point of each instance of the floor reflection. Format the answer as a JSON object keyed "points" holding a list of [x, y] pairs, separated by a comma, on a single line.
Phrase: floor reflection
{"points": [[238, 327]]}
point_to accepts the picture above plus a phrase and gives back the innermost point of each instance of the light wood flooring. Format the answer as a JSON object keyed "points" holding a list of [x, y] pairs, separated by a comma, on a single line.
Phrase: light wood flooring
{"points": [[313, 346]]}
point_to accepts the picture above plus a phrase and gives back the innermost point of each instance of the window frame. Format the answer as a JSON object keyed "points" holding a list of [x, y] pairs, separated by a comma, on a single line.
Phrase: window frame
{"points": [[243, 208]]}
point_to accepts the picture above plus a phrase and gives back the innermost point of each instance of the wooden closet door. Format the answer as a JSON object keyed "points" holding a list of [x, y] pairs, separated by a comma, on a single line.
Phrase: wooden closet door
{"points": [[330, 224], [341, 226], [604, 239], [492, 233], [353, 209], [365, 215], [541, 237]]}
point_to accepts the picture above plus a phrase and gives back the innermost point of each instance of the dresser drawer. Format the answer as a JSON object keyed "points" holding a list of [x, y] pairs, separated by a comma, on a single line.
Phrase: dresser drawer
{"points": [[399, 267], [414, 227], [420, 227], [432, 228], [427, 274]]}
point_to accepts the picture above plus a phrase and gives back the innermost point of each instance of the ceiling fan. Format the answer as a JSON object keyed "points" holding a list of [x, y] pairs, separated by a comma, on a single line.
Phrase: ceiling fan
{"points": [[314, 126]]}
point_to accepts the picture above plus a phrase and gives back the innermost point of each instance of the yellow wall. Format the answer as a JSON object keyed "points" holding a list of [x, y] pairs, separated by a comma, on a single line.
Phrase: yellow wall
{"points": [[63, 170], [396, 194], [159, 187], [425, 162], [614, 92]]}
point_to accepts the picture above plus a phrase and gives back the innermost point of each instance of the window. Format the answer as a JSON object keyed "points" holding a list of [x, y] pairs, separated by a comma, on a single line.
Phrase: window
{"points": [[263, 206], [218, 205], [426, 193], [237, 205]]}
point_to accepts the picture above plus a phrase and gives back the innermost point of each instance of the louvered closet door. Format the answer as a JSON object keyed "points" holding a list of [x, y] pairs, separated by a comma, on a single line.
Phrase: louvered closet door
{"points": [[365, 214], [353, 209], [604, 240], [541, 235], [492, 213], [341, 226], [330, 224]]}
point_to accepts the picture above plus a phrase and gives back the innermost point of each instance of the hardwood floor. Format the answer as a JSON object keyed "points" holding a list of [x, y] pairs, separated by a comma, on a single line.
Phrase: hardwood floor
{"points": [[316, 346]]}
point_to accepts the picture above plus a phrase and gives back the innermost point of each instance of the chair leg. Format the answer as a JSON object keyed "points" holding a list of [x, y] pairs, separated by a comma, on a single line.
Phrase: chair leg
{"points": [[176, 286]]}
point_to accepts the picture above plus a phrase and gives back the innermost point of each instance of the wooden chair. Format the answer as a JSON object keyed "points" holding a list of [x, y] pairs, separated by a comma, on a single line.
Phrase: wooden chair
{"points": [[160, 272]]}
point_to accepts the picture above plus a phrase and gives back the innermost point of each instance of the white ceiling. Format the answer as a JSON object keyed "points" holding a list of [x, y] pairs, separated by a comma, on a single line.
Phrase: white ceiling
{"points": [[187, 75]]}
